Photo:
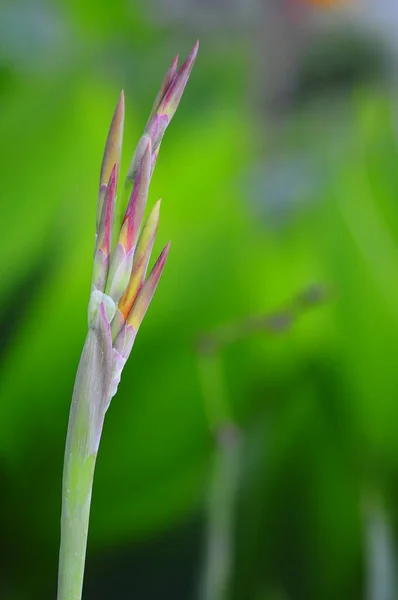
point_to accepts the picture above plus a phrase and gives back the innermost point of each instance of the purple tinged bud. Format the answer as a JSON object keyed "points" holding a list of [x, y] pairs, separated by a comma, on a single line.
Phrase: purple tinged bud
{"points": [[103, 242], [137, 157], [136, 207], [164, 87], [145, 296], [130, 178], [162, 111], [141, 259], [108, 209], [174, 93], [156, 130], [112, 153], [122, 257]]}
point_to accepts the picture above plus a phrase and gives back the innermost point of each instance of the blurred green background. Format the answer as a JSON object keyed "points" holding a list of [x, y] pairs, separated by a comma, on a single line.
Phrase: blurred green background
{"points": [[251, 452]]}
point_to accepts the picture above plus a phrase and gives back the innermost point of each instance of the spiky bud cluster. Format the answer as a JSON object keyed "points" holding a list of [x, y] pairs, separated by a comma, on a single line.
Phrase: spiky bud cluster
{"points": [[120, 295], [121, 290]]}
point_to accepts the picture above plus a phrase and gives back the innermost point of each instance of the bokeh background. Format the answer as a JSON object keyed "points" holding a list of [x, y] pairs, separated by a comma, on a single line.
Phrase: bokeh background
{"points": [[252, 450]]}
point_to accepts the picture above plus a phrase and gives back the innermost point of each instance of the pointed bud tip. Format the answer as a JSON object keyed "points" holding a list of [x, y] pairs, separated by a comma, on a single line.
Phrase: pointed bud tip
{"points": [[113, 145], [195, 49], [174, 64], [155, 212], [187, 65], [164, 253], [172, 97], [118, 116], [147, 291]]}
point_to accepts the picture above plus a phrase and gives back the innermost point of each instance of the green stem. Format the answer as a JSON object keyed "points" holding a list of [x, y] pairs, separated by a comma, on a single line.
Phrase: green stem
{"points": [[76, 499], [84, 432]]}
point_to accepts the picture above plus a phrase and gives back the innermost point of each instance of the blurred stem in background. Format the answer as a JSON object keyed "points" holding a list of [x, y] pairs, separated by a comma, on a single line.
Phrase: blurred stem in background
{"points": [[229, 441], [221, 507], [224, 479], [379, 550]]}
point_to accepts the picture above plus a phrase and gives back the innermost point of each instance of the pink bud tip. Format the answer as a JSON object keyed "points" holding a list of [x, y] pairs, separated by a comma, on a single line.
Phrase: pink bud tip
{"points": [[173, 95]]}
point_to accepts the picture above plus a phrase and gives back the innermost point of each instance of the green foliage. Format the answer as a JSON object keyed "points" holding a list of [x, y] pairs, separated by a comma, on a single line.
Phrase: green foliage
{"points": [[317, 404]]}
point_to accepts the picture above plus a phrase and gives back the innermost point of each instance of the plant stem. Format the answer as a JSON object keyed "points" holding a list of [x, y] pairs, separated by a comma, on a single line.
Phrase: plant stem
{"points": [[224, 478], [77, 487], [86, 418], [221, 508]]}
